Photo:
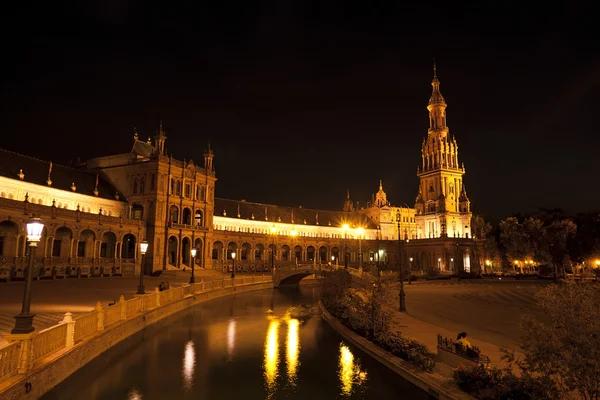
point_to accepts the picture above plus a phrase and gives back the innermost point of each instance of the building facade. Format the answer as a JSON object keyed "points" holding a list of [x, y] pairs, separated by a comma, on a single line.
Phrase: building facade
{"points": [[97, 213]]}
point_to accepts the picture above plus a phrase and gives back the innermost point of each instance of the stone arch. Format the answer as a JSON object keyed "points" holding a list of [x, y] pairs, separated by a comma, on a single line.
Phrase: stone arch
{"points": [[217, 251], [85, 243], [128, 246], [172, 246], [108, 245], [9, 235], [323, 254], [61, 245], [310, 253], [335, 254], [245, 253], [259, 249], [199, 246], [186, 216], [174, 214], [285, 252], [424, 262], [297, 253], [186, 251], [198, 218], [231, 247]]}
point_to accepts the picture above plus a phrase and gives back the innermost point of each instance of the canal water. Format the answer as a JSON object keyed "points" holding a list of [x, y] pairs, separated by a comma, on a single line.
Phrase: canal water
{"points": [[234, 348]]}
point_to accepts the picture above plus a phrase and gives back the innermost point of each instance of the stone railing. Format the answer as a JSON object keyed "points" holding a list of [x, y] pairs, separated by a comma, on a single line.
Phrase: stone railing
{"points": [[22, 352]]}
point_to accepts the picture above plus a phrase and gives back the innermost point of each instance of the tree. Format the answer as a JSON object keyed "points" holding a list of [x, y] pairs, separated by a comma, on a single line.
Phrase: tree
{"points": [[514, 239], [558, 234], [536, 240], [479, 228], [565, 348]]}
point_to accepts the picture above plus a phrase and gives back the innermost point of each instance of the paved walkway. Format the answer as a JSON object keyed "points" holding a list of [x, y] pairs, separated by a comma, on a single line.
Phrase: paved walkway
{"points": [[50, 299]]}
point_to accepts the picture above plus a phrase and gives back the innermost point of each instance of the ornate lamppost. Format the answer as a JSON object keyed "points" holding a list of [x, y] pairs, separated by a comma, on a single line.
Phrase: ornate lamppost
{"points": [[193, 251], [143, 249], [345, 227], [233, 267], [410, 269], [402, 295], [24, 321]]}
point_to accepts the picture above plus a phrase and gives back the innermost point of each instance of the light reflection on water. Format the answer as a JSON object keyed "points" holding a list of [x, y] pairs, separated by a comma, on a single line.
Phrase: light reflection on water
{"points": [[230, 339], [134, 394], [271, 363], [189, 363], [292, 347], [349, 372]]}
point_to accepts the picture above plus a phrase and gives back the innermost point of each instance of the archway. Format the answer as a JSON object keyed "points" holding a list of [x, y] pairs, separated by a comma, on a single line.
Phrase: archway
{"points": [[424, 261], [128, 247], [198, 218], [310, 253], [298, 253], [62, 242], [231, 248], [258, 251], [186, 250], [323, 254], [186, 216], [85, 244], [172, 246], [335, 254], [9, 233], [174, 214], [285, 252], [217, 251], [245, 253], [107, 247]]}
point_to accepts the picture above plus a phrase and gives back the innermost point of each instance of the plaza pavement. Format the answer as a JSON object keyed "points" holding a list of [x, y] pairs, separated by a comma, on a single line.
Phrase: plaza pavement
{"points": [[50, 299], [489, 311]]}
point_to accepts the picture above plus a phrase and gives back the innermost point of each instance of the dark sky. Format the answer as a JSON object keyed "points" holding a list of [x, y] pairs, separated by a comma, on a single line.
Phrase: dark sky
{"points": [[303, 100]]}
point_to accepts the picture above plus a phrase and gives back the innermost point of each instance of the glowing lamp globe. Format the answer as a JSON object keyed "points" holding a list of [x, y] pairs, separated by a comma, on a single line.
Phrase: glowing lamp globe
{"points": [[35, 226], [233, 255], [193, 252], [143, 247]]}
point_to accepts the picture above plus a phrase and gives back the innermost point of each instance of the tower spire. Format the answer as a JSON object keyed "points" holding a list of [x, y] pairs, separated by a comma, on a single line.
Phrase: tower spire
{"points": [[434, 69]]}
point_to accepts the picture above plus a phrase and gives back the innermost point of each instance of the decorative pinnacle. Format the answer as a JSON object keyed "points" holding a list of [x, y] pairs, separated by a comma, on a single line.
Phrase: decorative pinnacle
{"points": [[434, 69]]}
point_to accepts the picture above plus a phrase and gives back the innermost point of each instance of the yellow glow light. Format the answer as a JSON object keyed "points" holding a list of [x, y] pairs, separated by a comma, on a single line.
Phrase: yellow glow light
{"points": [[360, 230], [271, 355], [293, 232], [597, 262], [345, 227], [189, 363], [349, 372], [273, 229], [292, 346], [516, 262], [231, 338]]}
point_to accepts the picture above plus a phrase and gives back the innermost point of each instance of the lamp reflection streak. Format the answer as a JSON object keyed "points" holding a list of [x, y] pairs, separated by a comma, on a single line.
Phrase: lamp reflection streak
{"points": [[230, 338], [189, 363], [271, 356], [292, 349], [349, 373]]}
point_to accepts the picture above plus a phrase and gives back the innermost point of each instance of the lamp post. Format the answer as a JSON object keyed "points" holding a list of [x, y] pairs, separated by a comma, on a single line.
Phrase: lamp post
{"points": [[24, 321], [402, 295], [233, 267], [273, 231], [345, 228], [143, 249], [193, 251], [361, 232], [410, 269]]}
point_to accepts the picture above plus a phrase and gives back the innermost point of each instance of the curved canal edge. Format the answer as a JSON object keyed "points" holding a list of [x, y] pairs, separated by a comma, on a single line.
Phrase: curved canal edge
{"points": [[50, 373], [433, 384]]}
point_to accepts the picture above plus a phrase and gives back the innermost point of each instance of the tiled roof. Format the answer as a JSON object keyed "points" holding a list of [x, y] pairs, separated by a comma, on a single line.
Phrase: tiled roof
{"points": [[142, 148], [62, 177], [284, 214]]}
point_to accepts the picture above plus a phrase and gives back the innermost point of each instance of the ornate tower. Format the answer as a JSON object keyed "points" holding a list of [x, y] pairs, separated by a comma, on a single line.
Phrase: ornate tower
{"points": [[208, 159], [159, 140], [381, 197], [440, 206], [348, 205]]}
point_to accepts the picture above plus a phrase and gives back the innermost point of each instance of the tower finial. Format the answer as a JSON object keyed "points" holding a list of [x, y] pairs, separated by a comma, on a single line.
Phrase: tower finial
{"points": [[348, 194], [380, 185], [434, 69]]}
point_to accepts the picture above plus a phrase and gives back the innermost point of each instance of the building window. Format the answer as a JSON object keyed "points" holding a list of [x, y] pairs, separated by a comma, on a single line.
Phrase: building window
{"points": [[1, 245], [135, 186], [152, 181], [56, 248], [202, 193], [215, 254], [142, 184], [103, 249], [178, 186], [257, 254], [80, 249], [188, 190]]}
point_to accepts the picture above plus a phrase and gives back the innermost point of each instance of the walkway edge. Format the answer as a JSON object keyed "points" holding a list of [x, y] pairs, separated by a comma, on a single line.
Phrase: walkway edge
{"points": [[432, 384], [58, 367]]}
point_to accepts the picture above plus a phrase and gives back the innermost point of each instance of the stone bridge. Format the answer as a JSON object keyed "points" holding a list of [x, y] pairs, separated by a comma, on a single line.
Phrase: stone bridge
{"points": [[292, 275]]}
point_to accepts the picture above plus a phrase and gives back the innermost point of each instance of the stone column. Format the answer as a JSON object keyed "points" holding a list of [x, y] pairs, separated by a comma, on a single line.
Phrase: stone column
{"points": [[68, 319]]}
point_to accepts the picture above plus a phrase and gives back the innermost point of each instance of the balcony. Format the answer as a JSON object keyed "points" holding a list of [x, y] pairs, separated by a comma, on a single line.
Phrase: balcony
{"points": [[174, 225]]}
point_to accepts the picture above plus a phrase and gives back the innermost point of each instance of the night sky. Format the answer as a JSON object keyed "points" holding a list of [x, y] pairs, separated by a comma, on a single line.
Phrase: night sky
{"points": [[303, 100]]}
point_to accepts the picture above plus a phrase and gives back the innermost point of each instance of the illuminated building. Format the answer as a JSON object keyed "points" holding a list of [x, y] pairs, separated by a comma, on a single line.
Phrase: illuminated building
{"points": [[97, 212]]}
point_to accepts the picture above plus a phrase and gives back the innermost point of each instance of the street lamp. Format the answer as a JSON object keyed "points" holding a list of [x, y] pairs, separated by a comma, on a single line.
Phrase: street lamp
{"points": [[193, 251], [143, 249], [402, 295], [233, 267], [361, 232], [24, 321], [410, 272], [345, 227], [273, 231]]}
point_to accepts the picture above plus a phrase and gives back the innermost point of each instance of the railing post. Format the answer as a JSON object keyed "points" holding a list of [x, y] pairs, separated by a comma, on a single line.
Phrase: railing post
{"points": [[99, 316], [157, 294], [25, 361], [202, 285], [123, 307], [68, 319]]}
